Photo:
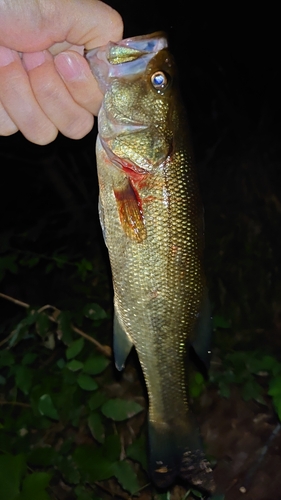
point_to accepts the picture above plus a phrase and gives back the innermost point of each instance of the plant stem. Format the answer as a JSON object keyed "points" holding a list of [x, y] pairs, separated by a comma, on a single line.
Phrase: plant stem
{"points": [[104, 349]]}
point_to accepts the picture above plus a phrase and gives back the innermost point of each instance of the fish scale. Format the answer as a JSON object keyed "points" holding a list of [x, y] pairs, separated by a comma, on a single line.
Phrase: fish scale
{"points": [[152, 218]]}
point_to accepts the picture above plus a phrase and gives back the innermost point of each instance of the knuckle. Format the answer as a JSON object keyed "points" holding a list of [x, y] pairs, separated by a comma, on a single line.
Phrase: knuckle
{"points": [[115, 23]]}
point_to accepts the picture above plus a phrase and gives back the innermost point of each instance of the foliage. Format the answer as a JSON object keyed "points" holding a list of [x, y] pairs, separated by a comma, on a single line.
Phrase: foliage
{"points": [[61, 425], [68, 395], [257, 374]]}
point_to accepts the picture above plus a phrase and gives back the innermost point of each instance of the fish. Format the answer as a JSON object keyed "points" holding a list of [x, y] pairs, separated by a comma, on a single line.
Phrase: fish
{"points": [[152, 220]]}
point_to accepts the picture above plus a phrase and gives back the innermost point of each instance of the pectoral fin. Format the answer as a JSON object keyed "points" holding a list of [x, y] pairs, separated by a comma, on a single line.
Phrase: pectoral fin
{"points": [[130, 211], [122, 344], [203, 332]]}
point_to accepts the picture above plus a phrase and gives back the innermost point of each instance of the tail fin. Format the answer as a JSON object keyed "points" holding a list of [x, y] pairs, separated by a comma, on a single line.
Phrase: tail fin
{"points": [[176, 451]]}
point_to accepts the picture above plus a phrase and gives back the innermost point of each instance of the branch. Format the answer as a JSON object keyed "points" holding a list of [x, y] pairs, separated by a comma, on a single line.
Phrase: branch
{"points": [[16, 403], [104, 349]]}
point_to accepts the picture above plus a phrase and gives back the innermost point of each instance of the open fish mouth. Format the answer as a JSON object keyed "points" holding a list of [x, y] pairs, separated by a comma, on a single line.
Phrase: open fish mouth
{"points": [[127, 58]]}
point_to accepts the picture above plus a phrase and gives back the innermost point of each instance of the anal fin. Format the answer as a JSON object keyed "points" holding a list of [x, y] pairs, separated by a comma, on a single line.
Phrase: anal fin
{"points": [[122, 344]]}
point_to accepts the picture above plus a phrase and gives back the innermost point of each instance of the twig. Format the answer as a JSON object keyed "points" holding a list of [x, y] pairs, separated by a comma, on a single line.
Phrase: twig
{"points": [[15, 403], [7, 338], [104, 349], [15, 301]]}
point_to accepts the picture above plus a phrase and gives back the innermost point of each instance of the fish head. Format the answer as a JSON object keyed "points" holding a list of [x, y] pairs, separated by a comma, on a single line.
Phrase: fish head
{"points": [[136, 119]]}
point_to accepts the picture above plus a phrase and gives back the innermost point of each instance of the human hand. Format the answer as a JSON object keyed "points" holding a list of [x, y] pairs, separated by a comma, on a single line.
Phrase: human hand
{"points": [[46, 85]]}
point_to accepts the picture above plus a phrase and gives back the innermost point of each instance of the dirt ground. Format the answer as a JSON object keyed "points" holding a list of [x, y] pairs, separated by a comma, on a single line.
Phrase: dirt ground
{"points": [[245, 438]]}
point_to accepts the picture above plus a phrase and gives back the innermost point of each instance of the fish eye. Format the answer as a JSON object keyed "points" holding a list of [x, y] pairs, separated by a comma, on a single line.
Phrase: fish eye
{"points": [[159, 80]]}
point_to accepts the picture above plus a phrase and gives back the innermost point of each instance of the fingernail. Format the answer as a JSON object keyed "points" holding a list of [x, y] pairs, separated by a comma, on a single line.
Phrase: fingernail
{"points": [[7, 56], [70, 67], [32, 60]]}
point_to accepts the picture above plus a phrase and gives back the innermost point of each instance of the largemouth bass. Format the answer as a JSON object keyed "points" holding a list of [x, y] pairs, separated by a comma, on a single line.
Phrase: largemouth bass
{"points": [[152, 220]]}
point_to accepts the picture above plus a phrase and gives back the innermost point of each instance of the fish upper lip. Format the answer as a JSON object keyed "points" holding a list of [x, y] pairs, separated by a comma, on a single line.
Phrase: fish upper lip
{"points": [[128, 127], [126, 124]]}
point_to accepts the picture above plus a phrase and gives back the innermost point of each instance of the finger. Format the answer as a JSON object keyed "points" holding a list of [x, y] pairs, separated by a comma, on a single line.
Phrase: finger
{"points": [[7, 126], [68, 116], [19, 102], [45, 23], [97, 22], [78, 78]]}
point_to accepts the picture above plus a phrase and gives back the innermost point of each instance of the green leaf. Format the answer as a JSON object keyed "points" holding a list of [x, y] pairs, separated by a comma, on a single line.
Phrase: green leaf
{"points": [[29, 358], [12, 469], [196, 493], [6, 358], [96, 427], [74, 348], [95, 364], [120, 409], [8, 263], [32, 316], [46, 407], [92, 464], [61, 363], [112, 447], [196, 384], [275, 386], [23, 378], [35, 483], [75, 365], [96, 400], [40, 495], [137, 451], [69, 470], [82, 494], [83, 267], [94, 311], [251, 390], [224, 390], [43, 324], [64, 323], [32, 262], [221, 322], [60, 260], [49, 267], [126, 476], [86, 382], [277, 405]]}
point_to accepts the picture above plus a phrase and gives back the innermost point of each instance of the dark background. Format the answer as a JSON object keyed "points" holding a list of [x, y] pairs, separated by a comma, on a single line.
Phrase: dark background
{"points": [[229, 64]]}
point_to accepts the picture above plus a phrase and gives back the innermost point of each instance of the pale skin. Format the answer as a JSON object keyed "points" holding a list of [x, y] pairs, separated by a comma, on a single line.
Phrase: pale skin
{"points": [[46, 85]]}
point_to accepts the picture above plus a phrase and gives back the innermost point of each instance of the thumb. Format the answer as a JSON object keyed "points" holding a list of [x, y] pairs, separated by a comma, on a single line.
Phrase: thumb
{"points": [[91, 23], [39, 25]]}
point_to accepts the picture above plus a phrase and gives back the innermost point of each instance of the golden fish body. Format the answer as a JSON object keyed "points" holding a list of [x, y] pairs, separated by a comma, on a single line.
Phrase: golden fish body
{"points": [[152, 219]]}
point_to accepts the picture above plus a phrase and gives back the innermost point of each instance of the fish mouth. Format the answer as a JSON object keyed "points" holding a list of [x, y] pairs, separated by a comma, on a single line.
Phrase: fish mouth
{"points": [[127, 58]]}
